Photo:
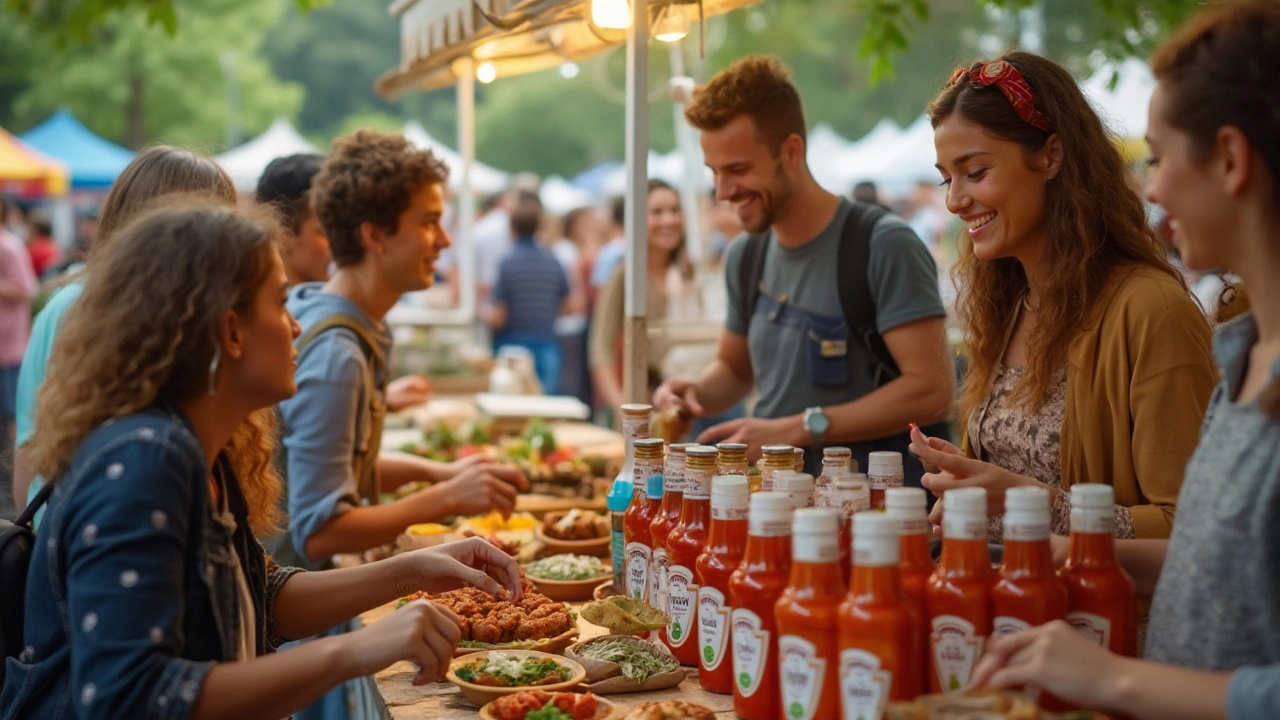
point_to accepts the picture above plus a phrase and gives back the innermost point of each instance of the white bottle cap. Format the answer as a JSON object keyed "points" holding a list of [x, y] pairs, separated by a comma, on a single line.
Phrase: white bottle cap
{"points": [[1026, 514], [797, 485], [815, 521], [1026, 498], [964, 515], [884, 463], [1093, 495], [816, 535], [730, 491], [966, 500], [875, 540], [769, 514], [905, 498]]}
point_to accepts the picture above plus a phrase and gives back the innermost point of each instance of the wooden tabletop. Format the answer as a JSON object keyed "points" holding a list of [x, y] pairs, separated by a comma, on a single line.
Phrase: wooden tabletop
{"points": [[442, 701]]}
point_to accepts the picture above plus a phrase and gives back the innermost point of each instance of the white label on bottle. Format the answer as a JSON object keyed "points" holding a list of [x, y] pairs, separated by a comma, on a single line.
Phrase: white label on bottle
{"points": [[883, 482], [643, 469], [852, 503], [1005, 625], [822, 495], [638, 564], [1094, 627], [675, 474], [769, 526], [635, 428], [682, 601], [914, 526], [1023, 531], [697, 484], [766, 479], [721, 512], [713, 627], [864, 687], [963, 526], [875, 552], [659, 586], [956, 646], [750, 651], [1099, 521], [815, 548], [801, 672]]}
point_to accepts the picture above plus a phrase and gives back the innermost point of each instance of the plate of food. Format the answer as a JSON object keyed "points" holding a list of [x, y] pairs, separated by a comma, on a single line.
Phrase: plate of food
{"points": [[484, 677], [567, 577], [543, 705], [671, 710], [623, 664], [535, 623], [582, 532]]}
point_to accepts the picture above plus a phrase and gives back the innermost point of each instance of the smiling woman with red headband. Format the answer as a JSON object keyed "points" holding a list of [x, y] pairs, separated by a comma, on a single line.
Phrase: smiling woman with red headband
{"points": [[1088, 359]]}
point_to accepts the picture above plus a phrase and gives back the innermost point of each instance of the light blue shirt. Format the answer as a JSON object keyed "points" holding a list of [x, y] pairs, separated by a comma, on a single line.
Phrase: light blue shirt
{"points": [[36, 362], [607, 259]]}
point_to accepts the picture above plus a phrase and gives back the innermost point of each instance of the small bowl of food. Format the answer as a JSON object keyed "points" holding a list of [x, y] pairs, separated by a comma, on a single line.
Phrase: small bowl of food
{"points": [[567, 577], [549, 705], [486, 676], [581, 532]]}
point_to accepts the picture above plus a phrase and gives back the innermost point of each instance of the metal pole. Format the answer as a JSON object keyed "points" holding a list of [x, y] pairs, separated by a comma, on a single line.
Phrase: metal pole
{"points": [[690, 185], [636, 339], [466, 252]]}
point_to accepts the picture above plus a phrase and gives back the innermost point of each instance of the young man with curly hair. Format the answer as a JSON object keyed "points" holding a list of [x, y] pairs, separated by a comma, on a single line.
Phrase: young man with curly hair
{"points": [[380, 202], [840, 326]]}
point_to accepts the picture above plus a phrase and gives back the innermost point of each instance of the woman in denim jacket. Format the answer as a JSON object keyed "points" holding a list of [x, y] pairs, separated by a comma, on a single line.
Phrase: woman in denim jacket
{"points": [[149, 595]]}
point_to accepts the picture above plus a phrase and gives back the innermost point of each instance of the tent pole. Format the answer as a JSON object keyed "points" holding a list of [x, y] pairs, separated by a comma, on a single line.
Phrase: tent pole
{"points": [[691, 176], [466, 253], [635, 382]]}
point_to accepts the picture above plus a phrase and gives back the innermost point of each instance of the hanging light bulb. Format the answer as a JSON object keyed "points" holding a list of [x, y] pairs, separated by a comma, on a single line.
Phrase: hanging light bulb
{"points": [[611, 14], [672, 26], [486, 73]]}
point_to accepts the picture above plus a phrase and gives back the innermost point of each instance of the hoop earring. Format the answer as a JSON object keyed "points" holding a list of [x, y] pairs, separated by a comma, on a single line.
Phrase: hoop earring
{"points": [[213, 371]]}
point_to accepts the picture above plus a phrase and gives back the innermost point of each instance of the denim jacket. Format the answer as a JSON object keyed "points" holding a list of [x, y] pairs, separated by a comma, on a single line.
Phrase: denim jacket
{"points": [[131, 597]]}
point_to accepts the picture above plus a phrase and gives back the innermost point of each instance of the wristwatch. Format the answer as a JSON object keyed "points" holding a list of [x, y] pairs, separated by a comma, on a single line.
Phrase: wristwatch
{"points": [[817, 423]]}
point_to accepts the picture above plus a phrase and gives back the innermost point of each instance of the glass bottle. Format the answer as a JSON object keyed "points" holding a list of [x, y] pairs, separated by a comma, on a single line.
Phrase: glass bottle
{"points": [[754, 588], [684, 545], [726, 544], [959, 592]]}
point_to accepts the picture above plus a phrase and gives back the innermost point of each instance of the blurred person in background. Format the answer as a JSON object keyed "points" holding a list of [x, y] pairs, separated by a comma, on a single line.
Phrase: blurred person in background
{"points": [[614, 251], [17, 288], [493, 239], [286, 186], [725, 226], [867, 192], [43, 251], [530, 293], [575, 251]]}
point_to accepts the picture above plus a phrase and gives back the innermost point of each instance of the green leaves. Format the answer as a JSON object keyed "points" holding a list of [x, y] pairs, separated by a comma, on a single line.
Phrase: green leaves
{"points": [[68, 22]]}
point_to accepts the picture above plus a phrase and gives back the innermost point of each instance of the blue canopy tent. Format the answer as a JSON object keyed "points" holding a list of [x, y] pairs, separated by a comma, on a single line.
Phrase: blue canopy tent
{"points": [[93, 162]]}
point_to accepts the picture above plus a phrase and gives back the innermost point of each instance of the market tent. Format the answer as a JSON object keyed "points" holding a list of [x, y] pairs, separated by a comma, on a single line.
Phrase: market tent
{"points": [[896, 163], [559, 196], [93, 162], [245, 163], [484, 179], [29, 171]]}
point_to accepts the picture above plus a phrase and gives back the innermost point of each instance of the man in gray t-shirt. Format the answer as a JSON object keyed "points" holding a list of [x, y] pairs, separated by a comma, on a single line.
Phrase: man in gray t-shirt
{"points": [[815, 380]]}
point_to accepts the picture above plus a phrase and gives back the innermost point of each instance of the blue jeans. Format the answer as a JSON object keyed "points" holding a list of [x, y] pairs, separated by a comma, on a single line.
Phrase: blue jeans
{"points": [[548, 357]]}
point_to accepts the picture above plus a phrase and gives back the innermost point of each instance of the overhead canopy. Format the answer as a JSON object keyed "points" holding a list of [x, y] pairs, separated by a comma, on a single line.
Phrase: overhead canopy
{"points": [[28, 170], [515, 36], [484, 179], [93, 162], [246, 163]]}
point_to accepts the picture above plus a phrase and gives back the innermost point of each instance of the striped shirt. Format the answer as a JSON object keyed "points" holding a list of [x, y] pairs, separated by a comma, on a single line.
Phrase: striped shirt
{"points": [[532, 286]]}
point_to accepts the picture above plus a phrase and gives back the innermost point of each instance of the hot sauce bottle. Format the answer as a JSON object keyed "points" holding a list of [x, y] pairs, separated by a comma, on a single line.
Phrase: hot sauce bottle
{"points": [[884, 471], [684, 544], [1029, 592], [732, 459], [1100, 593], [726, 544], [776, 458], [881, 643], [639, 517], [958, 595], [836, 461], [850, 495], [665, 521], [753, 589], [910, 508], [797, 485], [808, 646]]}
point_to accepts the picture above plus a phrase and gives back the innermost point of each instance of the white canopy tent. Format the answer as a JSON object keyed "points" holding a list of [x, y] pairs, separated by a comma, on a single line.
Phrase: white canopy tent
{"points": [[484, 179], [559, 196], [245, 163], [1124, 108]]}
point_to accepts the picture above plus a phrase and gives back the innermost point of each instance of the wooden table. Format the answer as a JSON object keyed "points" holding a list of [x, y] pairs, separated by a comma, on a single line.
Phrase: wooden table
{"points": [[403, 701]]}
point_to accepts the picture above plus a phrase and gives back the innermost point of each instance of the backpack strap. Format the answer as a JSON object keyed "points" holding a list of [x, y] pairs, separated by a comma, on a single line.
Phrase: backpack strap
{"points": [[855, 291], [28, 515], [341, 320], [750, 273]]}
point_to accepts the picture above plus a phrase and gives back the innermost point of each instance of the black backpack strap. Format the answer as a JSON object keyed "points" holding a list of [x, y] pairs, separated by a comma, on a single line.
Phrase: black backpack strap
{"points": [[855, 291], [28, 515], [749, 274]]}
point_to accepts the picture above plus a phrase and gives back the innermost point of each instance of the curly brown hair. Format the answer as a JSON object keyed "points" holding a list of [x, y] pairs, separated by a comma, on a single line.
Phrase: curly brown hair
{"points": [[759, 86], [1095, 223], [1219, 71], [145, 328], [369, 176]]}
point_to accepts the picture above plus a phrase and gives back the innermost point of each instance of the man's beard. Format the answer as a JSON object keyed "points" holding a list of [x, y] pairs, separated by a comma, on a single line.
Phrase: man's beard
{"points": [[771, 203]]}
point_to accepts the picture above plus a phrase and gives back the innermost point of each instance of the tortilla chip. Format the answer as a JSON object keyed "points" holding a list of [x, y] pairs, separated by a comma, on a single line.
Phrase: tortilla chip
{"points": [[624, 615]]}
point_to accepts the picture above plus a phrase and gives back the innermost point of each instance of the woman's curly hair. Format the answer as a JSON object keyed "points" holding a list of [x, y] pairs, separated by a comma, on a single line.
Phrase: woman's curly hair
{"points": [[145, 327]]}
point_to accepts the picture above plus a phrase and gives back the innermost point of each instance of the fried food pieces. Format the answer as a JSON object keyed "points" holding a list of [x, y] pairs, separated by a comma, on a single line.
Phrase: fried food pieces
{"points": [[487, 619]]}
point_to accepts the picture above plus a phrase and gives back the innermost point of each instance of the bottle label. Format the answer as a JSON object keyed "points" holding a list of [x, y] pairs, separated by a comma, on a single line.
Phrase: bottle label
{"points": [[1023, 531], [638, 564], [634, 429], [750, 650], [851, 504], [713, 627], [961, 526], [618, 550], [914, 526], [769, 526], [956, 647], [697, 484], [883, 482], [766, 479], [822, 496], [816, 548], [721, 512], [1094, 627], [1005, 625], [675, 475], [643, 469], [864, 687], [1099, 521], [802, 672], [659, 585], [876, 552], [682, 601]]}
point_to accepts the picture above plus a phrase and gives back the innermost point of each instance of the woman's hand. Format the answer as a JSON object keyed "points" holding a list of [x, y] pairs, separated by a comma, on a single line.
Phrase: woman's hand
{"points": [[473, 561], [1052, 658], [956, 471], [421, 631]]}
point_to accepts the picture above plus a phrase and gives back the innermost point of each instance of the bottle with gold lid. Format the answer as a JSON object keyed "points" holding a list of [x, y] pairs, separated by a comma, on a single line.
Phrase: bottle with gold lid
{"points": [[732, 460], [777, 458]]}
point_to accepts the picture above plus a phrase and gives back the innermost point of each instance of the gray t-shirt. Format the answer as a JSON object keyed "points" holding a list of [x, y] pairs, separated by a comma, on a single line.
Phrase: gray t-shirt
{"points": [[794, 368], [1217, 605]]}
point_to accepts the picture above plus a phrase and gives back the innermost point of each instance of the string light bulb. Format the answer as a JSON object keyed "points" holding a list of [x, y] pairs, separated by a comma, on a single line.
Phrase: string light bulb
{"points": [[486, 73], [611, 14], [673, 26]]}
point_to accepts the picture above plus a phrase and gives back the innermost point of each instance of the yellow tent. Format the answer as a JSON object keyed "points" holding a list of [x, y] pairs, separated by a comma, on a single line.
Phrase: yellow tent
{"points": [[32, 171]]}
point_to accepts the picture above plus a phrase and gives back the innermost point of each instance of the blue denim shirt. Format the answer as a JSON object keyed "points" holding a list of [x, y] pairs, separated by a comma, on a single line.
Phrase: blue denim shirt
{"points": [[131, 596]]}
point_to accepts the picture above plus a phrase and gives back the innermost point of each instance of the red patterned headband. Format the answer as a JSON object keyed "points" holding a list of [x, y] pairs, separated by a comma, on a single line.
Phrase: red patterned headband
{"points": [[1014, 87]]}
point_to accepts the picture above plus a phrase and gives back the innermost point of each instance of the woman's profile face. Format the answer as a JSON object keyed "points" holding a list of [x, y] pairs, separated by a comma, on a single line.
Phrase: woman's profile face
{"points": [[265, 369]]}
